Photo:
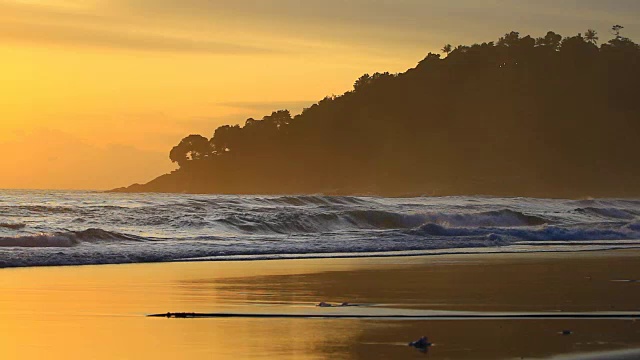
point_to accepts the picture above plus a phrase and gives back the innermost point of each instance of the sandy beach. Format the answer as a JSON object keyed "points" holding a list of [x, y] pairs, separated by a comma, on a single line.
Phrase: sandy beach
{"points": [[99, 312], [243, 179]]}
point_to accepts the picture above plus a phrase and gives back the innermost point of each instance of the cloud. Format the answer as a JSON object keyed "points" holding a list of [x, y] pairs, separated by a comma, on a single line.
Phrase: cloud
{"points": [[266, 107], [241, 27], [69, 35], [242, 110], [55, 26], [399, 22]]}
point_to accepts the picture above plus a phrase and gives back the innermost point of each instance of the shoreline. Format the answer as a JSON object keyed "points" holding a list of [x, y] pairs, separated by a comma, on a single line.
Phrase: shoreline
{"points": [[44, 307], [150, 188], [470, 252]]}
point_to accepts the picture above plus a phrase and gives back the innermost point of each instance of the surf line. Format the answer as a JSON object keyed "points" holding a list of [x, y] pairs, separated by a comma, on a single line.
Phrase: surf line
{"points": [[515, 316]]}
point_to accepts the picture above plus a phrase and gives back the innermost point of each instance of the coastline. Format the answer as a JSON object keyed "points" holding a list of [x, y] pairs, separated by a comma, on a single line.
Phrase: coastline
{"points": [[547, 248], [42, 308], [163, 185], [89, 229]]}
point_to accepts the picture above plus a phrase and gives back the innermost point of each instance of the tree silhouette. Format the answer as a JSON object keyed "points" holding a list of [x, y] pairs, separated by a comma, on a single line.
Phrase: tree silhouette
{"points": [[509, 39], [591, 36], [551, 40], [447, 49], [227, 138], [550, 116], [363, 81], [193, 147], [616, 29], [279, 118], [619, 43]]}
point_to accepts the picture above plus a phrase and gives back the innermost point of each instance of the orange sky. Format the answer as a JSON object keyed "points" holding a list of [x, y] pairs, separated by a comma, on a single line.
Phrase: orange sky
{"points": [[94, 93]]}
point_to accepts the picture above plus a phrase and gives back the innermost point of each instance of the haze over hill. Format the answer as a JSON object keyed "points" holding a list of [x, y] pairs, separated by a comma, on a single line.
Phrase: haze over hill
{"points": [[552, 117]]}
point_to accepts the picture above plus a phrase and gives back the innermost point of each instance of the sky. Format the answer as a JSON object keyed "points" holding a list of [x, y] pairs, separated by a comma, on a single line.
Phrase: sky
{"points": [[94, 93]]}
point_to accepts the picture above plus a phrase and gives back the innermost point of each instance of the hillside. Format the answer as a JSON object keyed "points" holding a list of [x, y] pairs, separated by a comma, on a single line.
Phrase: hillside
{"points": [[546, 117]]}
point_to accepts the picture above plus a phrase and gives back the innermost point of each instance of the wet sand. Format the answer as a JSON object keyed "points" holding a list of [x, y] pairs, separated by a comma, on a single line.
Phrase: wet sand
{"points": [[98, 312]]}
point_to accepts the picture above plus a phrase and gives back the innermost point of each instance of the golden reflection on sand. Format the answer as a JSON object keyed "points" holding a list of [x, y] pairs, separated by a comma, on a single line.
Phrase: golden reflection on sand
{"points": [[97, 312]]}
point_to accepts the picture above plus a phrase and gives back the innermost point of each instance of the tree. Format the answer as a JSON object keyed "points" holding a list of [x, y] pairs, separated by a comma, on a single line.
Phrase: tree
{"points": [[362, 82], [431, 58], [620, 42], [509, 39], [193, 147], [591, 36], [447, 49], [226, 138], [551, 41], [550, 107], [577, 47], [616, 29], [279, 118], [250, 122]]}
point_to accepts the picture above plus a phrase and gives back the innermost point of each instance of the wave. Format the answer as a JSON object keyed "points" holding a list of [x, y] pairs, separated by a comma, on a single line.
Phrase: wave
{"points": [[320, 200], [66, 239], [605, 202], [12, 226], [174, 227], [308, 222], [241, 212], [306, 200], [37, 209], [498, 218], [613, 213], [283, 223], [538, 233]]}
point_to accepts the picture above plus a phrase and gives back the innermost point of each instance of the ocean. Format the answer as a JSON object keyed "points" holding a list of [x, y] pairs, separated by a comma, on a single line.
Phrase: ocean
{"points": [[55, 228]]}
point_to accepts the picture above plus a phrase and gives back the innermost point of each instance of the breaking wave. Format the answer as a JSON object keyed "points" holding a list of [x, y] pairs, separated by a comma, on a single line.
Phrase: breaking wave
{"points": [[615, 213], [297, 222], [13, 226], [545, 233], [73, 228], [37, 209], [66, 239]]}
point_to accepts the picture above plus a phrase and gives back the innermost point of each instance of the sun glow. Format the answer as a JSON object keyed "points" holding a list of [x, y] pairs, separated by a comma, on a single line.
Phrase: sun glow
{"points": [[143, 74]]}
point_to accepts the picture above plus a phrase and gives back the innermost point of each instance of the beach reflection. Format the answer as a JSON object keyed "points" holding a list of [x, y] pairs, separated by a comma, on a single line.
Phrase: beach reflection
{"points": [[97, 312], [134, 338]]}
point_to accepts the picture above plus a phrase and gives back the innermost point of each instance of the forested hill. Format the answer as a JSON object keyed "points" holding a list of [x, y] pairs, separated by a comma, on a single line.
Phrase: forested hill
{"points": [[545, 117]]}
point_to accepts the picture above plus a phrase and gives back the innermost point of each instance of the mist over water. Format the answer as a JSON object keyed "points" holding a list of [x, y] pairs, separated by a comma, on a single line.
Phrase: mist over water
{"points": [[74, 228]]}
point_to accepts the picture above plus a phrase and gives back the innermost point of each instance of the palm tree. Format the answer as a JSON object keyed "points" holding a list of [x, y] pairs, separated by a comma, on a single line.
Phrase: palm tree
{"points": [[616, 30], [591, 36], [447, 49]]}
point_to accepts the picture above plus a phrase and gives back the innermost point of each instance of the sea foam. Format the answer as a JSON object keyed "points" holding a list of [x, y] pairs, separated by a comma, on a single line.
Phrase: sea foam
{"points": [[73, 228]]}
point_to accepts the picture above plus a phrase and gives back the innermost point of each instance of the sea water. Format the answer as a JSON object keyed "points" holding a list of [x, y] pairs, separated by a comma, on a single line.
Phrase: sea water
{"points": [[76, 228]]}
